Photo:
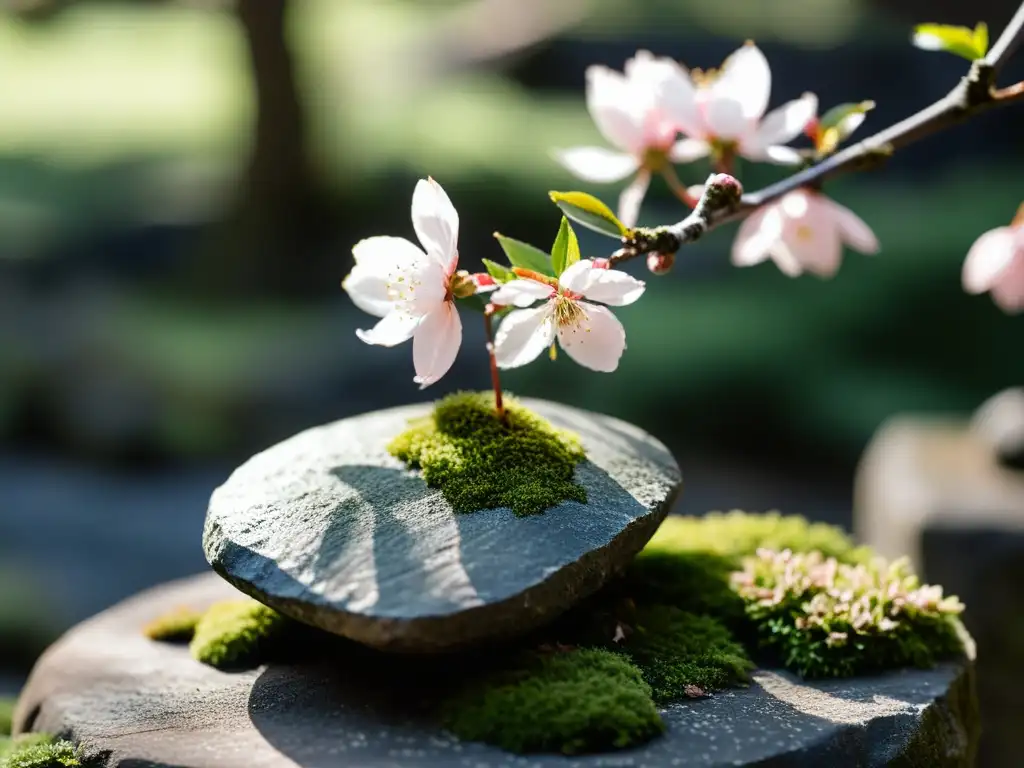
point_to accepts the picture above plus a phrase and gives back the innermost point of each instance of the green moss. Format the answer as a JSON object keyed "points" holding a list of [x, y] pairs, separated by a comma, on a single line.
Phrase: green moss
{"points": [[737, 534], [178, 626], [681, 654], [585, 700], [38, 750], [949, 731], [480, 462], [238, 634], [6, 716], [822, 618]]}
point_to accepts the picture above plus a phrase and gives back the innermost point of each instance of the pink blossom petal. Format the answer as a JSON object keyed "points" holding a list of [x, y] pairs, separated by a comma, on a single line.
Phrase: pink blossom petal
{"points": [[1008, 290], [393, 329], [746, 80], [436, 223], [609, 286], [676, 96], [725, 119], [989, 257], [755, 237], [596, 163], [812, 240], [688, 150], [854, 231], [632, 197], [778, 155], [782, 125], [379, 260], [523, 335], [436, 344], [611, 105], [597, 341], [420, 289], [521, 293]]}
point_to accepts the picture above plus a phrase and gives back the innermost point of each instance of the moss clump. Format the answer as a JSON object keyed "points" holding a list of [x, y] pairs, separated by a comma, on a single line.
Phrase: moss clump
{"points": [[238, 634], [175, 627], [38, 750], [823, 618], [737, 534], [681, 654], [585, 700], [480, 462]]}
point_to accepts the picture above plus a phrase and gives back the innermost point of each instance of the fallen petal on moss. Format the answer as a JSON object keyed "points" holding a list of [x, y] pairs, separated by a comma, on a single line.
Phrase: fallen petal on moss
{"points": [[586, 700], [480, 462], [238, 634]]}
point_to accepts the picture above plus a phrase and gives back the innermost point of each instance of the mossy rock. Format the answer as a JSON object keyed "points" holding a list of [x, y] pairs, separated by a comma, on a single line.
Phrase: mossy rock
{"points": [[178, 626], [239, 634], [586, 700], [39, 750], [482, 462]]}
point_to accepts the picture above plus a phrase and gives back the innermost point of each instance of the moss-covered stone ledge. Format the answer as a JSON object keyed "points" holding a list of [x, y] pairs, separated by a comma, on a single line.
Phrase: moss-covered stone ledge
{"points": [[701, 603]]}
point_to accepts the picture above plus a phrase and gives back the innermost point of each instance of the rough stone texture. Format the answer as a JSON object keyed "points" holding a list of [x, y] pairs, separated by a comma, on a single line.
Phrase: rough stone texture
{"points": [[137, 703], [330, 529], [935, 489]]}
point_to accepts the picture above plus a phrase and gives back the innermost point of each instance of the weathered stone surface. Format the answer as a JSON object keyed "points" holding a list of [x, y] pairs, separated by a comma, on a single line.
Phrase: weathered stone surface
{"points": [[935, 488], [1000, 423], [134, 702], [330, 529]]}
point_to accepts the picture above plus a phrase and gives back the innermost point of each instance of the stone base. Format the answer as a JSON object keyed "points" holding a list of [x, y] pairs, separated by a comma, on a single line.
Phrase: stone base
{"points": [[934, 489], [133, 702]]}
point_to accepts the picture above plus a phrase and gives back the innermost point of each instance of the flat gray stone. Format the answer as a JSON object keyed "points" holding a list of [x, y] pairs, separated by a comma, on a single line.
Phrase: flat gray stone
{"points": [[135, 703], [330, 529]]}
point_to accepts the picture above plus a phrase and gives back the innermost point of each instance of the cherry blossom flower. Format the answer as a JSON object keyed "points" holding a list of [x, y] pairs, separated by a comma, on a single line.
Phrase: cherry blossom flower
{"points": [[803, 231], [589, 333], [413, 290], [626, 108], [995, 263], [724, 111]]}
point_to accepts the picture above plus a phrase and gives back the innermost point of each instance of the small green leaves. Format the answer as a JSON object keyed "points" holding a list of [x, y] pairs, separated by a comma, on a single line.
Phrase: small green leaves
{"points": [[960, 41], [525, 256], [500, 273], [838, 123], [566, 250], [590, 212]]}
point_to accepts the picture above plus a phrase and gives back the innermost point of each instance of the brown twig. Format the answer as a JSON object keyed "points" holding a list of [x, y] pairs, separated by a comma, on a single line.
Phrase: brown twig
{"points": [[975, 93], [499, 406]]}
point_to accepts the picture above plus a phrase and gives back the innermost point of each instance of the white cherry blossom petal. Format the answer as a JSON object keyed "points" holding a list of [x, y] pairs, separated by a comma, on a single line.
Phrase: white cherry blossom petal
{"points": [[755, 237], [436, 223], [611, 105], [436, 343], [782, 125], [597, 341], [989, 257], [1008, 291], [521, 293], [673, 93], [596, 163], [419, 289], [632, 197], [746, 79], [393, 329], [688, 150], [725, 119], [608, 286], [854, 231], [775, 154], [378, 261], [523, 335], [813, 241]]}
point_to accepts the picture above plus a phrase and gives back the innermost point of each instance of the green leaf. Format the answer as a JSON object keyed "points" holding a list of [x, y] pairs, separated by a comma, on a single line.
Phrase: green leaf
{"points": [[838, 123], [566, 250], [498, 271], [590, 212], [960, 41], [475, 301], [525, 256], [840, 113]]}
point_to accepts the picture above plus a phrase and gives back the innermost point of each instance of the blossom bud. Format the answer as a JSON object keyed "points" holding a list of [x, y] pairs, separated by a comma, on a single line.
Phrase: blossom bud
{"points": [[660, 263], [462, 284], [723, 189]]}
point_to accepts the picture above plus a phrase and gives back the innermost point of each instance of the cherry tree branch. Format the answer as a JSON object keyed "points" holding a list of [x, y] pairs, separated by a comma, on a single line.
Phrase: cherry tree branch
{"points": [[976, 92]]}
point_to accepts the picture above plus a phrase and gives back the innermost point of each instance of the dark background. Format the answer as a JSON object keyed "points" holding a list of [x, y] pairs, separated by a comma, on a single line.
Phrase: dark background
{"points": [[181, 184]]}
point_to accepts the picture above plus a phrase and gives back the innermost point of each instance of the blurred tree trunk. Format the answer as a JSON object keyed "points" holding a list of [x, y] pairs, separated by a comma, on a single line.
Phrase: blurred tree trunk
{"points": [[265, 245]]}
